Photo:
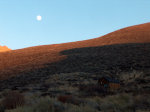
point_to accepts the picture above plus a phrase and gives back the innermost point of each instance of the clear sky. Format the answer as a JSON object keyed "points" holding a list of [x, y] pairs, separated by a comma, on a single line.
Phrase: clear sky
{"points": [[66, 20]]}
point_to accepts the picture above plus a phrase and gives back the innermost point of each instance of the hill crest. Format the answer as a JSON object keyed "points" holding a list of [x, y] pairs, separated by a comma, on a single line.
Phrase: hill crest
{"points": [[4, 48]]}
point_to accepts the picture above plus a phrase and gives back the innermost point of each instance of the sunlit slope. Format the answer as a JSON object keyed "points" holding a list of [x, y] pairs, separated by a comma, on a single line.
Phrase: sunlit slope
{"points": [[18, 61], [4, 48]]}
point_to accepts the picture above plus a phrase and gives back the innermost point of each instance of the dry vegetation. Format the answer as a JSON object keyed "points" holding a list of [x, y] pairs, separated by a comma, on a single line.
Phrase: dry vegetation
{"points": [[76, 92], [63, 77], [113, 103], [12, 99]]}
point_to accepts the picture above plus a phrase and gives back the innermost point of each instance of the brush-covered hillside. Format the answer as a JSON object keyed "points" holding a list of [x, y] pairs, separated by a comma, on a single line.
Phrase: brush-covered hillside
{"points": [[68, 75], [120, 51], [28, 59]]}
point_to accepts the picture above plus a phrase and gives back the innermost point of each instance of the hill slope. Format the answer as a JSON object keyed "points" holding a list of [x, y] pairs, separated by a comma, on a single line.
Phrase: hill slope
{"points": [[102, 60], [33, 58], [4, 48]]}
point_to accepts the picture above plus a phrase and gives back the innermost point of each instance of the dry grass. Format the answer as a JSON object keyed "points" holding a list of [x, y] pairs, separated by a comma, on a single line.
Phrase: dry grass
{"points": [[130, 76], [12, 100], [122, 102], [114, 103]]}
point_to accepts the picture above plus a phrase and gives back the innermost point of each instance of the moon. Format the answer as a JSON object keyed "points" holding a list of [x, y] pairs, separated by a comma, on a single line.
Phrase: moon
{"points": [[39, 18]]}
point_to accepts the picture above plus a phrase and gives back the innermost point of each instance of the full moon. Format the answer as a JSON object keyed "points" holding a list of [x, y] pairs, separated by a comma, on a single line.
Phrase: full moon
{"points": [[39, 18]]}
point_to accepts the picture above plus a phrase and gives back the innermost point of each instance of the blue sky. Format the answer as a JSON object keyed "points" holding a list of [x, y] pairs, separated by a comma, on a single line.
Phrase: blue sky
{"points": [[66, 20]]}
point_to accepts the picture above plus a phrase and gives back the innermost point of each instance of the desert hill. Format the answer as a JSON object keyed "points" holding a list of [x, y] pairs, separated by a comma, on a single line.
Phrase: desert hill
{"points": [[69, 73], [94, 55], [4, 48]]}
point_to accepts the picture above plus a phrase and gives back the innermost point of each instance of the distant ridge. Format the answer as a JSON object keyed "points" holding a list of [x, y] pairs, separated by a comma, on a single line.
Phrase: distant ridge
{"points": [[36, 57], [4, 48]]}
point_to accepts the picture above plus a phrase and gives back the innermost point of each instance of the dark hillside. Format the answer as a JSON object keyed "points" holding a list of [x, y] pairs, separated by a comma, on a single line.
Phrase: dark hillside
{"points": [[110, 59], [113, 58]]}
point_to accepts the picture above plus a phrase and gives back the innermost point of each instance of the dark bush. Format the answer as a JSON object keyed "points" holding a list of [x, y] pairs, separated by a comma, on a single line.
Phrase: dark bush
{"points": [[13, 99], [70, 99]]}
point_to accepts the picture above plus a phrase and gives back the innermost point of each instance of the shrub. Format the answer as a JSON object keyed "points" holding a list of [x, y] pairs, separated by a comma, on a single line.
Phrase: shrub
{"points": [[70, 99], [118, 103], [2, 108], [92, 90], [13, 99], [44, 105], [130, 76], [142, 101], [64, 98], [81, 108], [22, 109]]}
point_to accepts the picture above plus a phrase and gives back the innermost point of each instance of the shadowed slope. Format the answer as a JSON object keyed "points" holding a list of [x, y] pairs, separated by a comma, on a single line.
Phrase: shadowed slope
{"points": [[104, 60], [18, 61]]}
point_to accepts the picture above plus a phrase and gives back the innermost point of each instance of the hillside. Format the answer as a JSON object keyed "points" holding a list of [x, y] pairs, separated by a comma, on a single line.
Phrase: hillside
{"points": [[50, 59], [69, 73], [4, 48], [105, 60]]}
